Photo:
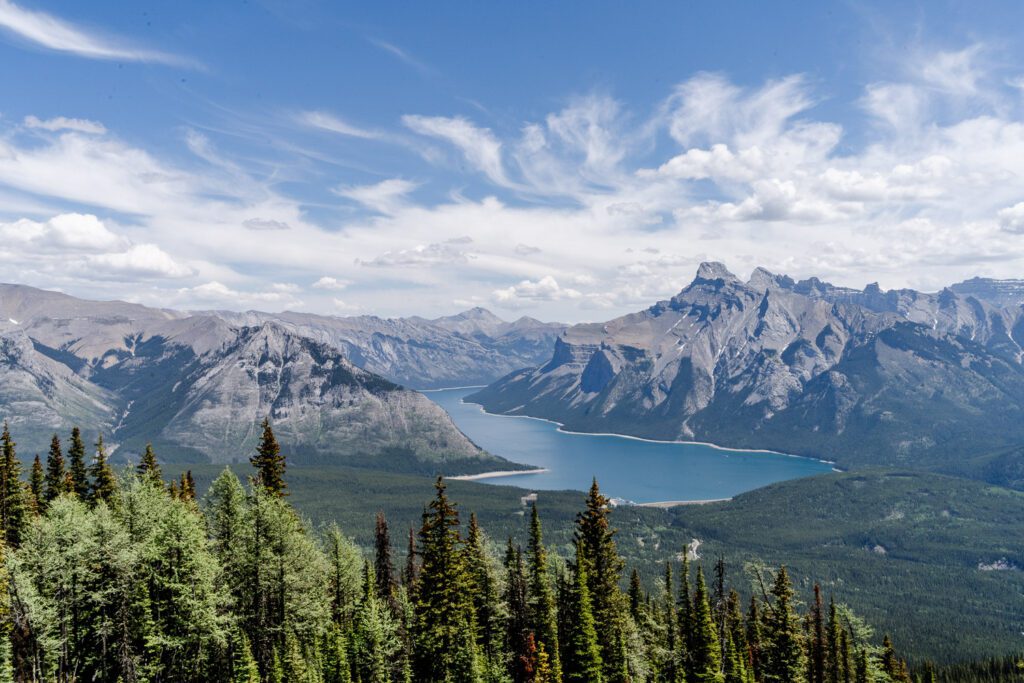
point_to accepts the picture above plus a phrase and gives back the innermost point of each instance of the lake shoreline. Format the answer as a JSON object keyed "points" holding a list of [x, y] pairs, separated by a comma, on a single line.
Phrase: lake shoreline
{"points": [[496, 474], [563, 430]]}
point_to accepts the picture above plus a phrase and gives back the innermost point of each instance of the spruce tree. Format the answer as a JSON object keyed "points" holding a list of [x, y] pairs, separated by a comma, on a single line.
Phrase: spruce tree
{"points": [[833, 646], [148, 468], [754, 638], [36, 480], [604, 571], [55, 482], [104, 482], [13, 496], [863, 673], [411, 570], [518, 636], [686, 625], [77, 466], [705, 649], [783, 656], [445, 647], [817, 645], [669, 668], [384, 569], [581, 653], [269, 462], [483, 585], [635, 595], [543, 614], [243, 665], [187, 488]]}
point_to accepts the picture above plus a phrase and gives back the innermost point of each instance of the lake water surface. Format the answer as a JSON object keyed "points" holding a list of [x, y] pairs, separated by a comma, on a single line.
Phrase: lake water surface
{"points": [[640, 471]]}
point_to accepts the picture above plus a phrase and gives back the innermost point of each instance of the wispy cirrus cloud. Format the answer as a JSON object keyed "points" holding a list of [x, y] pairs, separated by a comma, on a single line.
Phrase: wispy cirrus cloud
{"points": [[334, 124], [53, 33], [402, 55]]}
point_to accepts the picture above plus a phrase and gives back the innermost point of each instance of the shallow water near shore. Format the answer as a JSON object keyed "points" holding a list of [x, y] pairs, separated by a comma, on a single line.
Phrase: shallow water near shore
{"points": [[628, 468]]}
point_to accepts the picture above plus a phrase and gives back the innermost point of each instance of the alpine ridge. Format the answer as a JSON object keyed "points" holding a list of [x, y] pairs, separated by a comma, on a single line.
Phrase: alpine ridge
{"points": [[805, 367]]}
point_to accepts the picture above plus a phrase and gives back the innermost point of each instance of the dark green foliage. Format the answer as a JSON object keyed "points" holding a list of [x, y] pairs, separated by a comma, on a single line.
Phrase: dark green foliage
{"points": [[36, 484], [705, 648], [445, 646], [384, 568], [13, 496], [604, 571], [782, 649], [148, 467], [104, 481], [543, 614], [519, 640], [56, 480], [77, 465], [581, 652], [269, 462]]}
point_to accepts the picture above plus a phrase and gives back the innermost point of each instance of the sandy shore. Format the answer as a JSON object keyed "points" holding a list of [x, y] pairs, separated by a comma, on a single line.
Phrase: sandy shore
{"points": [[674, 503], [499, 473]]}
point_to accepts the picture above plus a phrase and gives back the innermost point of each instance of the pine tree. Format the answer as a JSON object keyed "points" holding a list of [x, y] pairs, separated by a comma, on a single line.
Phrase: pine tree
{"points": [[187, 488], [846, 666], [269, 462], [581, 653], [833, 646], [445, 647], [36, 480], [669, 668], [705, 649], [817, 645], [483, 586], [863, 674], [604, 571], [411, 570], [55, 482], [686, 624], [13, 497], [6, 620], [384, 570], [635, 595], [754, 638], [736, 630], [77, 467], [104, 482], [783, 660], [243, 665], [335, 666], [543, 614], [518, 636], [148, 468]]}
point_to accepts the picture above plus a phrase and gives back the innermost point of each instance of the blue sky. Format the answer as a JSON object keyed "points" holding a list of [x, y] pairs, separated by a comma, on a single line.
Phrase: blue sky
{"points": [[563, 160]]}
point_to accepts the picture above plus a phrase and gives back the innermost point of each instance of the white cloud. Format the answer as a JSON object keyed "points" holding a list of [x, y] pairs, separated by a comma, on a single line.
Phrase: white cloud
{"points": [[64, 233], [333, 124], [56, 34], [216, 293], [265, 224], [60, 123], [528, 291], [478, 145], [141, 261], [437, 253], [1011, 219], [331, 283], [384, 196]]}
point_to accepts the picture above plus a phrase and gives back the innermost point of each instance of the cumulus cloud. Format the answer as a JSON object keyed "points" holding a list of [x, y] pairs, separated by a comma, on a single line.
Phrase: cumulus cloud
{"points": [[142, 261], [60, 123], [331, 283], [438, 253], [69, 232], [528, 291], [215, 293], [1011, 219]]}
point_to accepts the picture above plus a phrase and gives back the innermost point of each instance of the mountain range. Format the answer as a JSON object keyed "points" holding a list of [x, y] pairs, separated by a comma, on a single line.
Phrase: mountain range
{"points": [[198, 384], [857, 377]]}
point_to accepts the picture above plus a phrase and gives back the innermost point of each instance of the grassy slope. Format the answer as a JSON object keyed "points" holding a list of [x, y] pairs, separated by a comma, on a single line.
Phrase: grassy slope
{"points": [[926, 589]]}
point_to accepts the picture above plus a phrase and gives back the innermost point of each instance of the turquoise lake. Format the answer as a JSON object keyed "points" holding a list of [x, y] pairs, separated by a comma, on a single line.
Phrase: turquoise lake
{"points": [[639, 471]]}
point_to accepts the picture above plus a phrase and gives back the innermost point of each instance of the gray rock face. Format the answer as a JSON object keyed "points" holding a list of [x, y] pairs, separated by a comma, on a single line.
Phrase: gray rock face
{"points": [[472, 348], [198, 385], [803, 367]]}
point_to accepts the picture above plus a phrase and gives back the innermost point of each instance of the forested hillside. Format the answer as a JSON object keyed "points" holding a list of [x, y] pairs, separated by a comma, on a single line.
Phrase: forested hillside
{"points": [[127, 578]]}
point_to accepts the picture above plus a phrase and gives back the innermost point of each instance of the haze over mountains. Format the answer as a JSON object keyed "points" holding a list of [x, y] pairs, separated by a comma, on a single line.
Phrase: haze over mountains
{"points": [[199, 383], [898, 377]]}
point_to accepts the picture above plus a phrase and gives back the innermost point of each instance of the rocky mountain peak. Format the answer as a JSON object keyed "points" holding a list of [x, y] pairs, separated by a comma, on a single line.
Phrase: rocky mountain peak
{"points": [[762, 279], [714, 270]]}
